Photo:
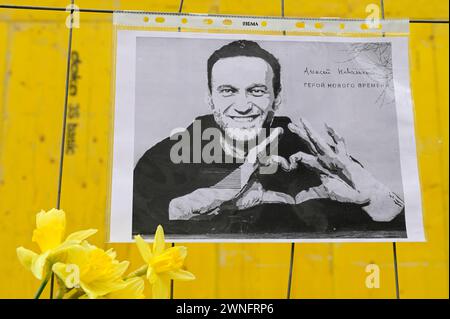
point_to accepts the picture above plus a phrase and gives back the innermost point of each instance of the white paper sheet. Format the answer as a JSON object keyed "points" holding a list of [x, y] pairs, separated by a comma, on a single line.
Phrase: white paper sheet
{"points": [[357, 86]]}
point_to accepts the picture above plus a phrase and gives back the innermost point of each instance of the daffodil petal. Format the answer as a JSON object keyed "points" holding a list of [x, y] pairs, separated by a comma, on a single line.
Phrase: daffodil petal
{"points": [[180, 275], [81, 235], [159, 243], [136, 284], [143, 248], [88, 246], [134, 289], [161, 288], [69, 274], [61, 253], [121, 268], [100, 288], [181, 251], [26, 257], [60, 270], [40, 265], [111, 253], [70, 253], [151, 275]]}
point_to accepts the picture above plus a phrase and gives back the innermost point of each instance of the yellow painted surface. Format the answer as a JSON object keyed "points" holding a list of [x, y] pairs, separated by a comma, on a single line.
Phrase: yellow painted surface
{"points": [[417, 9], [33, 48]]}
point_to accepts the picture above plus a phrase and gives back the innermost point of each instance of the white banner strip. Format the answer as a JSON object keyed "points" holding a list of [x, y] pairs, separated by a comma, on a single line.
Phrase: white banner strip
{"points": [[226, 22]]}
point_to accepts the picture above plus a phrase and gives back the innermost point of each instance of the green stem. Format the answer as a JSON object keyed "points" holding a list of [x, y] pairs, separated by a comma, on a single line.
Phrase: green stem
{"points": [[52, 283], [74, 294], [61, 293], [42, 286], [62, 289]]}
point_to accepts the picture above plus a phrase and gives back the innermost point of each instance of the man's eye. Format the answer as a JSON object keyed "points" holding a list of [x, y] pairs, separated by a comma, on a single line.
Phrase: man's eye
{"points": [[257, 92], [227, 92]]}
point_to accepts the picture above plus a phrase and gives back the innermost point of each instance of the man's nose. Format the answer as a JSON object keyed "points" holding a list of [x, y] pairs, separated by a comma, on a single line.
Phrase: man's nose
{"points": [[242, 104]]}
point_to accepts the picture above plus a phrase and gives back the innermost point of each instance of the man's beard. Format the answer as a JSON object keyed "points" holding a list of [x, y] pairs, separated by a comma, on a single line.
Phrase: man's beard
{"points": [[237, 142], [242, 135]]}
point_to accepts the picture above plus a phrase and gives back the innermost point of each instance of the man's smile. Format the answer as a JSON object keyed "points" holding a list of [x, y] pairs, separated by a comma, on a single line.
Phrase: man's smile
{"points": [[244, 118]]}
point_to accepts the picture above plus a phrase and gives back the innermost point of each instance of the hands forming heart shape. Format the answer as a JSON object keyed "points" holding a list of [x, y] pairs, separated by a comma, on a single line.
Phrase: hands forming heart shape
{"points": [[343, 180]]}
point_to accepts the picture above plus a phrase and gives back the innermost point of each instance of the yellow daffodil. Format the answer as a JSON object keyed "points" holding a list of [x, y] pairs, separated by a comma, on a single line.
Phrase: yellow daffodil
{"points": [[49, 235], [95, 271], [162, 264]]}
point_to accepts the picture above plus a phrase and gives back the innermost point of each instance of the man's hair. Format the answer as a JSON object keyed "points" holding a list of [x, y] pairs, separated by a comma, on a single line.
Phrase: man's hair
{"points": [[248, 49]]}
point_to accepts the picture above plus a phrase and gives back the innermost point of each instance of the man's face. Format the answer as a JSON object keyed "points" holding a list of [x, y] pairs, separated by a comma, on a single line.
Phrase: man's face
{"points": [[242, 95]]}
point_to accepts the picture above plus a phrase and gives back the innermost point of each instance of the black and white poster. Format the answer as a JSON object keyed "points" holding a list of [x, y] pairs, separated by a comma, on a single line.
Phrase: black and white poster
{"points": [[221, 137]]}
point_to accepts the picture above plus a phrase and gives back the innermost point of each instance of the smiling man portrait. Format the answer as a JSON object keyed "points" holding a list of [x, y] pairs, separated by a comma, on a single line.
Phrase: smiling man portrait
{"points": [[242, 171]]}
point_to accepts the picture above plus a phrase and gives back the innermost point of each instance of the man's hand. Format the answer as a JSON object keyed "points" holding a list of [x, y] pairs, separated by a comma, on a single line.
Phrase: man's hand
{"points": [[206, 200], [343, 179], [200, 201], [257, 195]]}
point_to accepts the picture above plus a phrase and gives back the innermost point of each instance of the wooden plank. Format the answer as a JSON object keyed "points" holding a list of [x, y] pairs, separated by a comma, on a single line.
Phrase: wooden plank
{"points": [[423, 267], [422, 9], [32, 100], [22, 15]]}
